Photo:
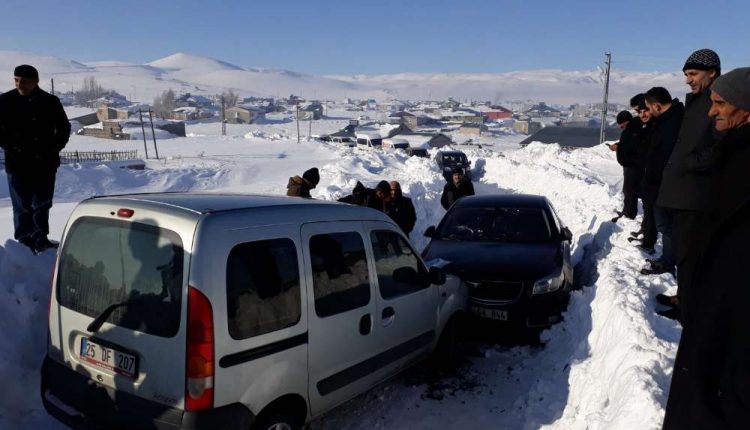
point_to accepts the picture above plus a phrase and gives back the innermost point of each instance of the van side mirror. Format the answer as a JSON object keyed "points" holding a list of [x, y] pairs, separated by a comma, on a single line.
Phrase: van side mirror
{"points": [[566, 234], [430, 232], [437, 276], [405, 275]]}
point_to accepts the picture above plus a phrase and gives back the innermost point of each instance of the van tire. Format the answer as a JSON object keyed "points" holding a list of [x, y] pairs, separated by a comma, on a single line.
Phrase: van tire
{"points": [[444, 357], [277, 420]]}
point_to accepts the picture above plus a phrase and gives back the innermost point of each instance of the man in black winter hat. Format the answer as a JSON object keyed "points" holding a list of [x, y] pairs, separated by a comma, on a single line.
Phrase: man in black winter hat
{"points": [[301, 186], [33, 131], [626, 149], [684, 190], [456, 189]]}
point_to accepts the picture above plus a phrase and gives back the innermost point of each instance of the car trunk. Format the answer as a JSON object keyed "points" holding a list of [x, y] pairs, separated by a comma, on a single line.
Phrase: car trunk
{"points": [[132, 275]]}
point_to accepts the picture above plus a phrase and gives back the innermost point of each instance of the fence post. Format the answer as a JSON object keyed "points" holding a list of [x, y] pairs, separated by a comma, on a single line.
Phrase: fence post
{"points": [[78, 159]]}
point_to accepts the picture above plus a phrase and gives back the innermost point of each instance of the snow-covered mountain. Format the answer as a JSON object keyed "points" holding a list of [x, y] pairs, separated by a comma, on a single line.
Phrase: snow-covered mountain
{"points": [[201, 75]]}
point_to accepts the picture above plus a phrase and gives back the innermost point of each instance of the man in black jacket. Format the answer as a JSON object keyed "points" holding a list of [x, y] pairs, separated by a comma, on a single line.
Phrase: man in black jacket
{"points": [[33, 131], [401, 209], [456, 189], [668, 115], [301, 186], [643, 143], [627, 157], [711, 380], [684, 190]]}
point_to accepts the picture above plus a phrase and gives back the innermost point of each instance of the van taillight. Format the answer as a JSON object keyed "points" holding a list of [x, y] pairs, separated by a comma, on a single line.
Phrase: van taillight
{"points": [[199, 365], [125, 213]]}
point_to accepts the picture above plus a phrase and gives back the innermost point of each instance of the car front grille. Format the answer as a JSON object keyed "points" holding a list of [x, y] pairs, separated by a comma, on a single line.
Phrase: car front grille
{"points": [[495, 292]]}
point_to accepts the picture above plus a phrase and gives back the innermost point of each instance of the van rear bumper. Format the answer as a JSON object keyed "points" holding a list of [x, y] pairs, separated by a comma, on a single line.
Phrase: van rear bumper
{"points": [[81, 403]]}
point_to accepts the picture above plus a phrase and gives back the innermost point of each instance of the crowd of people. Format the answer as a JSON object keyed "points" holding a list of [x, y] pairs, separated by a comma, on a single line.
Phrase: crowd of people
{"points": [[689, 165]]}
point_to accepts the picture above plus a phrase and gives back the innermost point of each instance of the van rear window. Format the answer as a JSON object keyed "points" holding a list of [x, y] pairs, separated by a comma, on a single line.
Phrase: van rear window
{"points": [[106, 261]]}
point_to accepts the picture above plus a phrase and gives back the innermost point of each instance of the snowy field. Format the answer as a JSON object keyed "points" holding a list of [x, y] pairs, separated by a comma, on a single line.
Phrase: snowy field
{"points": [[606, 366]]}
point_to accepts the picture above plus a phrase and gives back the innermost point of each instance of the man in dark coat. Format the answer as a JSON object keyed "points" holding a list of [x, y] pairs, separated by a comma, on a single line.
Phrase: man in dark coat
{"points": [[401, 209], [685, 185], [301, 186], [711, 380], [456, 189], [33, 131], [643, 143], [668, 115], [627, 156], [358, 196], [380, 198]]}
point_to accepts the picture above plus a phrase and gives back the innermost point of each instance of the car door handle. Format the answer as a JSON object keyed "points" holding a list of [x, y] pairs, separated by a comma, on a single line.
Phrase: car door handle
{"points": [[365, 325], [389, 314]]}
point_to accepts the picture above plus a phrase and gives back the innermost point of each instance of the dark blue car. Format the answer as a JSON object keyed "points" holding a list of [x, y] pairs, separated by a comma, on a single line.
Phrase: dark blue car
{"points": [[514, 254]]}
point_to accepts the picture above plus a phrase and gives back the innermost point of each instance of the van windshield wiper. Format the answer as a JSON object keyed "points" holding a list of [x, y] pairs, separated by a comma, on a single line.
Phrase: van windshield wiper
{"points": [[98, 321]]}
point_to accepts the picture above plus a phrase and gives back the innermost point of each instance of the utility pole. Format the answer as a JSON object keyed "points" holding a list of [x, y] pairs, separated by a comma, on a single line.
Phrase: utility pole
{"points": [[309, 130], [53, 86], [153, 133], [143, 130], [223, 117], [606, 97], [297, 121]]}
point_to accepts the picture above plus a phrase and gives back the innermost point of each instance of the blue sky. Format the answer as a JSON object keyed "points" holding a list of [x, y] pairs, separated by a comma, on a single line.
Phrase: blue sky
{"points": [[385, 36]]}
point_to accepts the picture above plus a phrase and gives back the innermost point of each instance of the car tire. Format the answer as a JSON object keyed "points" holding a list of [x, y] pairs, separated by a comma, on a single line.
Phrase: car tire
{"points": [[277, 420]]}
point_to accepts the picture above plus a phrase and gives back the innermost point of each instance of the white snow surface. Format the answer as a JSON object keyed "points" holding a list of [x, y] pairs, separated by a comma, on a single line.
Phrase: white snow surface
{"points": [[606, 366]]}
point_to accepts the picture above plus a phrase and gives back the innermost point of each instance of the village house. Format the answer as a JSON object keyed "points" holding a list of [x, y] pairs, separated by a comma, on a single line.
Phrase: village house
{"points": [[313, 111], [542, 110], [243, 114], [471, 128]]}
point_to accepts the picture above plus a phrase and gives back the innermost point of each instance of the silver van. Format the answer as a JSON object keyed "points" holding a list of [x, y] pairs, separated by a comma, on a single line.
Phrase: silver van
{"points": [[212, 311]]}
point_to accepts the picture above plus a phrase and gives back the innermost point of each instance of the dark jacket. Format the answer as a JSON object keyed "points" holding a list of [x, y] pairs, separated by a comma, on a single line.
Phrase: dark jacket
{"points": [[627, 147], [33, 131], [451, 193], [711, 381], [401, 210], [686, 179], [298, 187], [663, 137], [359, 196]]}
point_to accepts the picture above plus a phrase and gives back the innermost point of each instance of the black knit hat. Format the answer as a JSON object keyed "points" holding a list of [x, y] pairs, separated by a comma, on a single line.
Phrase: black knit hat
{"points": [[734, 87], [457, 169], [703, 59], [312, 176], [624, 116], [26, 71]]}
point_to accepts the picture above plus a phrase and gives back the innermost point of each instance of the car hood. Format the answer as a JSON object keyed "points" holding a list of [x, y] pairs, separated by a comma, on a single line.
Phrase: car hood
{"points": [[496, 261]]}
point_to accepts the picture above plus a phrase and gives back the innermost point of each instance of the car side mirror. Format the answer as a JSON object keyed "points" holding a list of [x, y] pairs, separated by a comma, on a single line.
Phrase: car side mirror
{"points": [[566, 234], [437, 276], [404, 275], [430, 232]]}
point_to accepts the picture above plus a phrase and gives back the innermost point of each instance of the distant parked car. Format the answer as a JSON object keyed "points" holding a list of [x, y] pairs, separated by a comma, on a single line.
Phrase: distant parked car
{"points": [[417, 152], [513, 252], [395, 143], [373, 140], [449, 160]]}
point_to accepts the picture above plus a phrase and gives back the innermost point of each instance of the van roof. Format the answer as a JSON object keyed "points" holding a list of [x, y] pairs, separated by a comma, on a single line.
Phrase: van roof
{"points": [[202, 203]]}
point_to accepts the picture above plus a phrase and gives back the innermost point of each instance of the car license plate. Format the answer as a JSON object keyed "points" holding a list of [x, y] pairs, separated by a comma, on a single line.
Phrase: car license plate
{"points": [[495, 314], [107, 358]]}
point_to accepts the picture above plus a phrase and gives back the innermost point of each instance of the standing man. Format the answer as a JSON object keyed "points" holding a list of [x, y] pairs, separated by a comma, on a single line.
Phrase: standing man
{"points": [[626, 150], [686, 179], [301, 186], [33, 131], [401, 209], [668, 114], [643, 143], [711, 380], [456, 189], [380, 198]]}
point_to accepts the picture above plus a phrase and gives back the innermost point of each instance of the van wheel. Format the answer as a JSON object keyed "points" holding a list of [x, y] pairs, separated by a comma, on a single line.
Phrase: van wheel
{"points": [[277, 421], [444, 357]]}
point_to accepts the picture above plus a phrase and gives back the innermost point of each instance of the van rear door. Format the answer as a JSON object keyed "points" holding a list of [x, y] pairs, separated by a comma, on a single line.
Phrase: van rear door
{"points": [[129, 272]]}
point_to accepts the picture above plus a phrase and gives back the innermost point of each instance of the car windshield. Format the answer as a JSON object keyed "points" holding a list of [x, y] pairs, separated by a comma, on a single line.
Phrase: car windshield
{"points": [[481, 224], [454, 159]]}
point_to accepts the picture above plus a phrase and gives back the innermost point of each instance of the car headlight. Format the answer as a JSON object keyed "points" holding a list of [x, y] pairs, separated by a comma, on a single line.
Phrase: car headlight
{"points": [[549, 284]]}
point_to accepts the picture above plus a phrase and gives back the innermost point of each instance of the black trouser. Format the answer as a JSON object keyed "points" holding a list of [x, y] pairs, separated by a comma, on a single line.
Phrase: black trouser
{"points": [[684, 233], [648, 225], [631, 185], [31, 196]]}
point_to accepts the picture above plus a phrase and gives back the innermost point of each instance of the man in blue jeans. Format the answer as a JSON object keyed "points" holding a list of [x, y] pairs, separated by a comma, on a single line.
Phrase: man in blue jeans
{"points": [[33, 131]]}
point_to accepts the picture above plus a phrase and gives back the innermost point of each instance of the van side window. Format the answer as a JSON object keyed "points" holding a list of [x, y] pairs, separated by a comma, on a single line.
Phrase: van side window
{"points": [[263, 289], [392, 254], [340, 274]]}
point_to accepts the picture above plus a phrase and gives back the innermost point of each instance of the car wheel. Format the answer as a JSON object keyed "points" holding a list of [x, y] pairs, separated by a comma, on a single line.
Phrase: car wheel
{"points": [[277, 421]]}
